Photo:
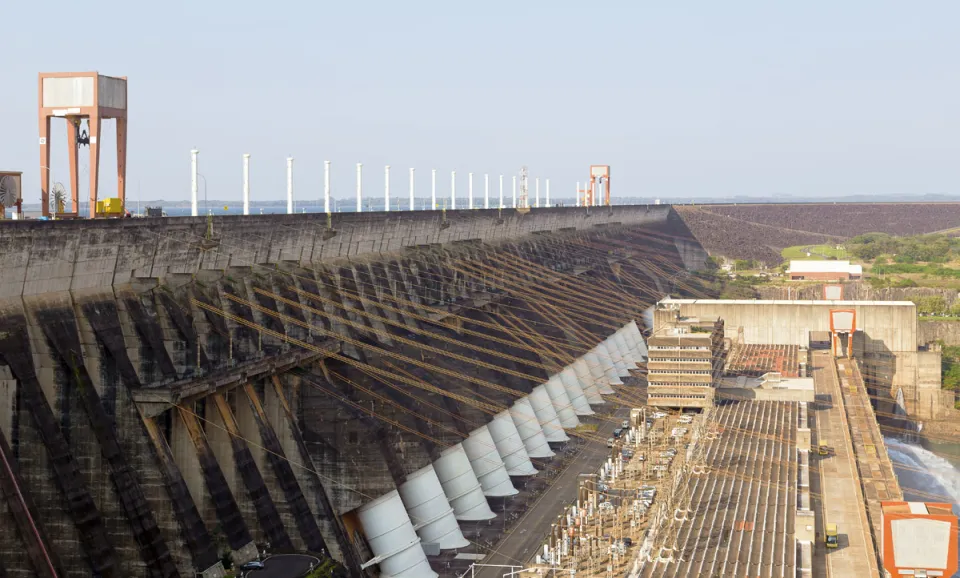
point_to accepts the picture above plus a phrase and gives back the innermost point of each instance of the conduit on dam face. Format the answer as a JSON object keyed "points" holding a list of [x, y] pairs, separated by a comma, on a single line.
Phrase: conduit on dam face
{"points": [[169, 374], [530, 430]]}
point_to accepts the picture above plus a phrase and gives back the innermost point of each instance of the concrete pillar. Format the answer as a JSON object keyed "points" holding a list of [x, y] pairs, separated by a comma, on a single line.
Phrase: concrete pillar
{"points": [[246, 184], [193, 182], [289, 185], [469, 190], [386, 188], [453, 190], [185, 455], [486, 191], [359, 187], [326, 187], [411, 188]]}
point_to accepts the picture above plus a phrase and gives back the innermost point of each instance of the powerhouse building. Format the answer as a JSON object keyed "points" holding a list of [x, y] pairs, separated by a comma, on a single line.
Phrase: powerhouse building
{"points": [[685, 360]]}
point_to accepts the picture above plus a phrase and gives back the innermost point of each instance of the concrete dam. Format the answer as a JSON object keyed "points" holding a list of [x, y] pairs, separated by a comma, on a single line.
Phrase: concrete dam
{"points": [[372, 387]]}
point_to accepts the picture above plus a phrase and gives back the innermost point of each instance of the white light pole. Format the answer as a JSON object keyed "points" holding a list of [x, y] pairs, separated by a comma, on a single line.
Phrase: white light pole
{"points": [[536, 188], [469, 190], [359, 187], [246, 183], [453, 190], [547, 204], [386, 188], [486, 191], [433, 190], [193, 182], [326, 187], [289, 185], [411, 188], [501, 191], [514, 191]]}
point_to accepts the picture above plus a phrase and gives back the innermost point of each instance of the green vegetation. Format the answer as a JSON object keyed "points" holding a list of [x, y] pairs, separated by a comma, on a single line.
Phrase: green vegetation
{"points": [[799, 252], [950, 366], [884, 282], [327, 569], [913, 268], [905, 250], [745, 264], [933, 305], [740, 288]]}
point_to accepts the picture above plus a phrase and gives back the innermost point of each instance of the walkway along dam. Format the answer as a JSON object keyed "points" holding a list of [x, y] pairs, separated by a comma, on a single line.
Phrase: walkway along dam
{"points": [[381, 388]]}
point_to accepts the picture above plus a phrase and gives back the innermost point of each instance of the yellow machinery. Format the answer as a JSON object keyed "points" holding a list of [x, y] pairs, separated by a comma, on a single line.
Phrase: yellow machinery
{"points": [[830, 538], [112, 207], [823, 449]]}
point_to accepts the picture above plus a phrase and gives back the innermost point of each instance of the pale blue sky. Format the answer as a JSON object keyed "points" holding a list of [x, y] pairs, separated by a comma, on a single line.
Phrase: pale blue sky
{"points": [[680, 98]]}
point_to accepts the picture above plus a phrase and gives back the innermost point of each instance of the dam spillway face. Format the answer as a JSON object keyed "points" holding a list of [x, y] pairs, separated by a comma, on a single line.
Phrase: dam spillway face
{"points": [[177, 395]]}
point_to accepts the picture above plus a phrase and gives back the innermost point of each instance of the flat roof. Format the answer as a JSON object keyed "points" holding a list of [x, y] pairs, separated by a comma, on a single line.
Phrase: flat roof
{"points": [[922, 508], [808, 266], [832, 302]]}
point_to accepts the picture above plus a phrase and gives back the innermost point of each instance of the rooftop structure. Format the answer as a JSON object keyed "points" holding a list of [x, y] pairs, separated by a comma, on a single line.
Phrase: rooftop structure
{"points": [[743, 501], [824, 270], [685, 358], [754, 360], [919, 538]]}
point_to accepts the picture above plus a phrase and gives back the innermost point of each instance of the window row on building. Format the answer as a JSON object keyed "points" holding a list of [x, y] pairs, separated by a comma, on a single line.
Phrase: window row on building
{"points": [[677, 396], [684, 371]]}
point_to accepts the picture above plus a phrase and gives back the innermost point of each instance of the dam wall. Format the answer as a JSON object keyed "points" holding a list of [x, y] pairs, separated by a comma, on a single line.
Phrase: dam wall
{"points": [[178, 392]]}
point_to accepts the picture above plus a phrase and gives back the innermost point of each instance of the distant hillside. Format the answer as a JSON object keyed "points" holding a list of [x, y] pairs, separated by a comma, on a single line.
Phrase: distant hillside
{"points": [[761, 231]]}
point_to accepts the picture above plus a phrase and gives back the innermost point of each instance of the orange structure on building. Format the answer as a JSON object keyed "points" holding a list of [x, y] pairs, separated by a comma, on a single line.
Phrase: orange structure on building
{"points": [[919, 539], [76, 96]]}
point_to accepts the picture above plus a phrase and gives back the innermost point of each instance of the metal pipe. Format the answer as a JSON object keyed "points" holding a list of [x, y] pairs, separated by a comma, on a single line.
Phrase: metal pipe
{"points": [[326, 187], [289, 185], [246, 183], [359, 187], [193, 182], [411, 188]]}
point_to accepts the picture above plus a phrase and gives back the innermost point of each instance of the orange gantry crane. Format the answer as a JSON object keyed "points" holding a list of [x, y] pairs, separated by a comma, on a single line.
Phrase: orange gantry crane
{"points": [[597, 186]]}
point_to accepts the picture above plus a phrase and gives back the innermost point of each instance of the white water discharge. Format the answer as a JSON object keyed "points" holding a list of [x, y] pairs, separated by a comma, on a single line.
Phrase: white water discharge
{"points": [[942, 477]]}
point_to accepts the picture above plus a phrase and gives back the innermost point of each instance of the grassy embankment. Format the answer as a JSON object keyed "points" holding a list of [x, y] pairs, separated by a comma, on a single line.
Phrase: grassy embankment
{"points": [[816, 252]]}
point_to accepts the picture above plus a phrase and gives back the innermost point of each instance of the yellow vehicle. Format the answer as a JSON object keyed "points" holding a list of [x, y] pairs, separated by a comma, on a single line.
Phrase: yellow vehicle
{"points": [[823, 449], [830, 538]]}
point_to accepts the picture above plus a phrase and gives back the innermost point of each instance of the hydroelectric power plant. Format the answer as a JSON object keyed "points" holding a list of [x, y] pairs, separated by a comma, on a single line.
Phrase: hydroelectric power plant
{"points": [[529, 390], [180, 391]]}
